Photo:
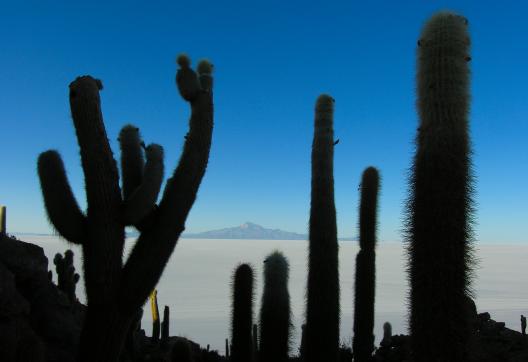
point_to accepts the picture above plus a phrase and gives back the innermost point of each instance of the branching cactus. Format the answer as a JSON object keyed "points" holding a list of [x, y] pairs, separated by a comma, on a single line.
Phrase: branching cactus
{"points": [[275, 311], [365, 286], [242, 314], [116, 290], [322, 309], [67, 278], [440, 203]]}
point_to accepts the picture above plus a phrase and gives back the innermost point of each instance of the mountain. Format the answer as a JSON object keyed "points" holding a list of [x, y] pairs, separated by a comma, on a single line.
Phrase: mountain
{"points": [[247, 230]]}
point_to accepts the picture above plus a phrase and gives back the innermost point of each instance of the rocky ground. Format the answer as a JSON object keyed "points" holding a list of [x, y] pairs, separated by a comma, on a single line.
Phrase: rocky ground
{"points": [[41, 322]]}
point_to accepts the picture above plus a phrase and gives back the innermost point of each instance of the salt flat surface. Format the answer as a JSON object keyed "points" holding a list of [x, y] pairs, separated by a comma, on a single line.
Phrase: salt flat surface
{"points": [[197, 284]]}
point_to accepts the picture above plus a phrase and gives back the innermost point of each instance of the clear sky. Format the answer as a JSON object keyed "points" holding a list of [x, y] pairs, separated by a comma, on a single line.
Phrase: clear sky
{"points": [[272, 59]]}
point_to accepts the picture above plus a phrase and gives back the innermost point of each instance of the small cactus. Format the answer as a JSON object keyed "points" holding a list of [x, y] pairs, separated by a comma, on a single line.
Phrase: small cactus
{"points": [[3, 214], [165, 325], [275, 311], [67, 278], [155, 316], [242, 314]]}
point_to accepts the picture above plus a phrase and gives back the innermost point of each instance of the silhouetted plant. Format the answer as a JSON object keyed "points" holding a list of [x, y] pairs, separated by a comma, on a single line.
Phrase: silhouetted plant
{"points": [[440, 204], [3, 215], [155, 316], [275, 310], [165, 325], [242, 314], [322, 309], [67, 278], [115, 290], [365, 286]]}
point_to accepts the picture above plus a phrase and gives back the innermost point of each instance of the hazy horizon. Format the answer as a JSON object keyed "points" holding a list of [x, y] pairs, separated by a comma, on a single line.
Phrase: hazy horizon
{"points": [[200, 300]]}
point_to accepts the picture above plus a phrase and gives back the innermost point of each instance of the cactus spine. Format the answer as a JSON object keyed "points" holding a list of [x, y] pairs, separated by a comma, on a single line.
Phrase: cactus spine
{"points": [[365, 286], [242, 314], [322, 310], [275, 310], [440, 203], [116, 290]]}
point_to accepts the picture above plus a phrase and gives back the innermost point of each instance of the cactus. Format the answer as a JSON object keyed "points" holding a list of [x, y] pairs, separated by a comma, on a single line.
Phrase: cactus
{"points": [[67, 278], [165, 325], [275, 310], [322, 309], [155, 316], [242, 314], [365, 286], [3, 215], [439, 210], [116, 289]]}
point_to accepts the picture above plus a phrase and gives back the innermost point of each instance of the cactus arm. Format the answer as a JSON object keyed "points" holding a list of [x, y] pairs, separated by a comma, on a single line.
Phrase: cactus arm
{"points": [[103, 256], [143, 200], [61, 205], [148, 258], [132, 162], [99, 166]]}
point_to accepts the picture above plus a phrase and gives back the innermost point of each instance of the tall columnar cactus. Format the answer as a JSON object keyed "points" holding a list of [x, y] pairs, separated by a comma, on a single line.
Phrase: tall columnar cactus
{"points": [[275, 311], [155, 316], [365, 286], [116, 290], [322, 310], [440, 202], [67, 278], [242, 314]]}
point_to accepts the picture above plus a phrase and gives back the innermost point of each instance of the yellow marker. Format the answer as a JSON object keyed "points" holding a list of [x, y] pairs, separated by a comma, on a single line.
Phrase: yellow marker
{"points": [[154, 304]]}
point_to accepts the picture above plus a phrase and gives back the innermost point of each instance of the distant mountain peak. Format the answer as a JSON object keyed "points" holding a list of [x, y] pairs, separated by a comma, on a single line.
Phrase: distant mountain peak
{"points": [[247, 230]]}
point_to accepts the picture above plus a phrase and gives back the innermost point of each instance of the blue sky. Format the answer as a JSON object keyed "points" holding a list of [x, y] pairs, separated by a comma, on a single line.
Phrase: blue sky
{"points": [[272, 60]]}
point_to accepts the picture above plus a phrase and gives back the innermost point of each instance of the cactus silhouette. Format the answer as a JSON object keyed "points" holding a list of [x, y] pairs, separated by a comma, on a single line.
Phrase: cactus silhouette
{"points": [[67, 278], [365, 286], [155, 316], [440, 202], [275, 310], [322, 307], [242, 314], [165, 325], [116, 290], [3, 215]]}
